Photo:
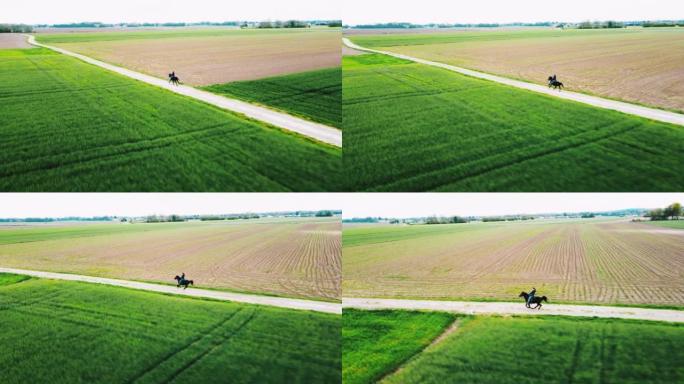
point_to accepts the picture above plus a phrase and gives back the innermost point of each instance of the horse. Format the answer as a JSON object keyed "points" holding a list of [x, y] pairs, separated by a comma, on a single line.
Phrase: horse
{"points": [[555, 84], [536, 300], [173, 79], [183, 282]]}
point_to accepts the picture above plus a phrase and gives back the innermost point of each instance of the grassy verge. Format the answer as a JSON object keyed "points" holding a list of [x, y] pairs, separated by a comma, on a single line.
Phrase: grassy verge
{"points": [[410, 127], [314, 95], [551, 350], [676, 224], [70, 126], [8, 279], [375, 343], [66, 332]]}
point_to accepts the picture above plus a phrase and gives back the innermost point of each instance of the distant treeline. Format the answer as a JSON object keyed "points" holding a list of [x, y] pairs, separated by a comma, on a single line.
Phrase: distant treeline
{"points": [[518, 217], [648, 24], [241, 24], [600, 24], [582, 25], [238, 216], [15, 28], [671, 212], [54, 219], [445, 220]]}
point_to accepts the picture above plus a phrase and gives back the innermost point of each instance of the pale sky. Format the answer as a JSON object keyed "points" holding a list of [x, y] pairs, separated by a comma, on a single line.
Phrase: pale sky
{"points": [[141, 204], [505, 11], [67, 11], [403, 205]]}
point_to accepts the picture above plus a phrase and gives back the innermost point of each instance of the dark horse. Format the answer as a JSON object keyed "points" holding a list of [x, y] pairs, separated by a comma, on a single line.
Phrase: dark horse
{"points": [[183, 282], [555, 84], [535, 300], [173, 79]]}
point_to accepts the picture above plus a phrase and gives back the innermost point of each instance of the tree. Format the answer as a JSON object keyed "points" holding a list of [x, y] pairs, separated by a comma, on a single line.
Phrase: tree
{"points": [[675, 210]]}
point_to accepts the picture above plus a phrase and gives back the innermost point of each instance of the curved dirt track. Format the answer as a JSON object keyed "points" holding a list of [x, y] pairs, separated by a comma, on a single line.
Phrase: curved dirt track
{"points": [[307, 128], [631, 109], [496, 308], [307, 305]]}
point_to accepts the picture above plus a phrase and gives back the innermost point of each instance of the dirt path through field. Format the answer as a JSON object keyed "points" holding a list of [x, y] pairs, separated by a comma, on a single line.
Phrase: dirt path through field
{"points": [[307, 128], [632, 109], [497, 308], [307, 305]]}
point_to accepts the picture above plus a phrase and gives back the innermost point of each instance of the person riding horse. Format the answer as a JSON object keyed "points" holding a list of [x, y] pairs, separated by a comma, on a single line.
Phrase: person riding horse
{"points": [[532, 298], [181, 281], [553, 82], [529, 298], [173, 79]]}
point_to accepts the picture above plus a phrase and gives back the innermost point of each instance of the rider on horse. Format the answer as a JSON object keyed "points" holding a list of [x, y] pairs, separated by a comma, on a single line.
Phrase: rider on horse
{"points": [[531, 296]]}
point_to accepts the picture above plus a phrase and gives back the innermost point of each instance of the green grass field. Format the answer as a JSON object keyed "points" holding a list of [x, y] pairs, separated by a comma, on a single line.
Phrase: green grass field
{"points": [[486, 349], [314, 95], [68, 332], [410, 127], [70, 126], [676, 224], [376, 343]]}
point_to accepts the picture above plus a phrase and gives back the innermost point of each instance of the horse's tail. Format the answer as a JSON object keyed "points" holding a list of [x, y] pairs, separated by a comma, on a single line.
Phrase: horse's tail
{"points": [[192, 282], [544, 298]]}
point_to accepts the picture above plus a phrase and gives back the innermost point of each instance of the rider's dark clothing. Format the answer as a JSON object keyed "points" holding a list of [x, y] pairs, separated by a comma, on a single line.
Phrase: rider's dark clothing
{"points": [[531, 295]]}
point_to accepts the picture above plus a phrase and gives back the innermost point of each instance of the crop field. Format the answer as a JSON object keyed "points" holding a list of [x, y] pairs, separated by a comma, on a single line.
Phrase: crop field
{"points": [[676, 224], [67, 332], [376, 343], [70, 126], [209, 55], [294, 258], [594, 261], [639, 65], [314, 95], [411, 127], [13, 40], [544, 349]]}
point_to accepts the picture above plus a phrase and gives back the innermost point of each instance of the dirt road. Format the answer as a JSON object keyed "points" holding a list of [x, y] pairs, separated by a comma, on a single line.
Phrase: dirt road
{"points": [[307, 128], [632, 109], [497, 308], [307, 305]]}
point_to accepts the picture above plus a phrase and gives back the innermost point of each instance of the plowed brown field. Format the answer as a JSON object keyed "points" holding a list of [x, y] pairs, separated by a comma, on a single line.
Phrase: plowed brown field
{"points": [[296, 258], [211, 57], [611, 262]]}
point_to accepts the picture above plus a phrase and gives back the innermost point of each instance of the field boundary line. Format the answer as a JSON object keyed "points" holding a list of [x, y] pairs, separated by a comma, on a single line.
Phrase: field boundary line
{"points": [[517, 308], [282, 302], [620, 106], [317, 131], [450, 329]]}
